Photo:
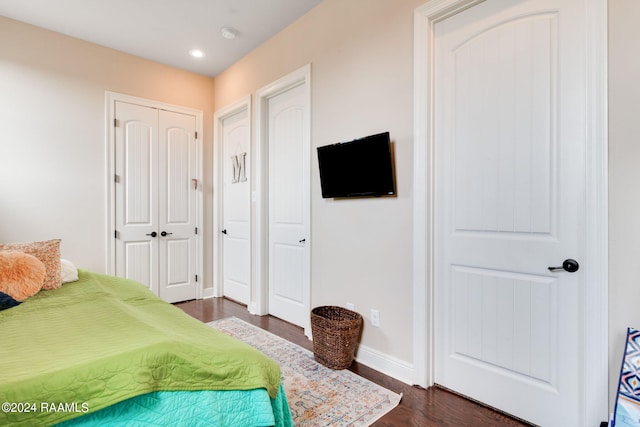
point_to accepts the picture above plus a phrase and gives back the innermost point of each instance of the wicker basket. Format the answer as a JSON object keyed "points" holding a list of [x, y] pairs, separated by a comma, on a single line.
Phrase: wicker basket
{"points": [[335, 335]]}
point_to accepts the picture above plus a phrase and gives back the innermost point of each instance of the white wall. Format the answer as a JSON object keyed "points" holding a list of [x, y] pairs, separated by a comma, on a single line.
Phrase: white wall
{"points": [[52, 134]]}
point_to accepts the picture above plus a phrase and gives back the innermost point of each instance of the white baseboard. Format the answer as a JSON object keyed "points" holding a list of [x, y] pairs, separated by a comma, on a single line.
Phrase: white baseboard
{"points": [[207, 293], [374, 359], [253, 308], [388, 365]]}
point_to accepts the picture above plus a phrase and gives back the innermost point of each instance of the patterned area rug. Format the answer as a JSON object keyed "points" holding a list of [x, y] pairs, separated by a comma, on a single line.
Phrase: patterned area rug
{"points": [[318, 396]]}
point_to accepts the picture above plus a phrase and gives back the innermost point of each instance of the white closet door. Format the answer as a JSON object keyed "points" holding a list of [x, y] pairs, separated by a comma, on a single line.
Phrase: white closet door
{"points": [[137, 194], [236, 207], [156, 218], [177, 206], [289, 270]]}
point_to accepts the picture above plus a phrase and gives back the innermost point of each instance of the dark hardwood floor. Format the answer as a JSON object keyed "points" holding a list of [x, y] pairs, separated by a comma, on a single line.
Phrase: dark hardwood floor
{"points": [[419, 407]]}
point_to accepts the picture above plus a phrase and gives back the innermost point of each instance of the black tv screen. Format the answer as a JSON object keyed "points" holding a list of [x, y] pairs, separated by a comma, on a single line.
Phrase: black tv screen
{"points": [[362, 167]]}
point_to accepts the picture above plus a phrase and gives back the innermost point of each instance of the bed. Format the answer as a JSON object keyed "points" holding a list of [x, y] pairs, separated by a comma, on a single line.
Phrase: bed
{"points": [[106, 351]]}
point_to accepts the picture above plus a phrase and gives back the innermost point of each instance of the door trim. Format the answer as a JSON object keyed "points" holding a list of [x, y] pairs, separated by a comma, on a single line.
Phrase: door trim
{"points": [[594, 309], [218, 183], [110, 167], [260, 301]]}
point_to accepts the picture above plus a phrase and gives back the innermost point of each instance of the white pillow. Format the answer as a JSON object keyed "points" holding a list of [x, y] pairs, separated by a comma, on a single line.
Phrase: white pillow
{"points": [[68, 271]]}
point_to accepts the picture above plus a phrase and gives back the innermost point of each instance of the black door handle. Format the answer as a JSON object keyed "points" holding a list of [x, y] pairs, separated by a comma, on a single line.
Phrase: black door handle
{"points": [[569, 265], [164, 233], [302, 241], [224, 231], [152, 234]]}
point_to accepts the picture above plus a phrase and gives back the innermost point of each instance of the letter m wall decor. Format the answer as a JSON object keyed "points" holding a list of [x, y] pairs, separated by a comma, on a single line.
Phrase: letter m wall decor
{"points": [[239, 168]]}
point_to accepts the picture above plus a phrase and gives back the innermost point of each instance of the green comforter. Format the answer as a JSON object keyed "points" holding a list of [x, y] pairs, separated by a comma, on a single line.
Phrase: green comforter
{"points": [[98, 341]]}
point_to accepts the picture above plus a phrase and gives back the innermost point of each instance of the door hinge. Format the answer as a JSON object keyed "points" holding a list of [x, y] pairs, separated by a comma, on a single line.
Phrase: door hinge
{"points": [[196, 277], [116, 234], [196, 134], [116, 123], [196, 230], [116, 178]]}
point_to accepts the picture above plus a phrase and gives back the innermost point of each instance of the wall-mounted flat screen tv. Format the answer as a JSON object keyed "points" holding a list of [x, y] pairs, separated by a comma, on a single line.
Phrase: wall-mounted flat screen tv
{"points": [[362, 167]]}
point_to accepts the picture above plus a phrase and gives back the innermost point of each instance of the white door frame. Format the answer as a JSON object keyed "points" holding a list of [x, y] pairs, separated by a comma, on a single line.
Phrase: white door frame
{"points": [[110, 102], [594, 307], [218, 183], [302, 76]]}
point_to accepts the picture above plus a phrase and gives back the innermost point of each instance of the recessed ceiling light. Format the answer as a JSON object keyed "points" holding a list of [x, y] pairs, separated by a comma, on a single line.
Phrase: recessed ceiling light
{"points": [[196, 53], [229, 33]]}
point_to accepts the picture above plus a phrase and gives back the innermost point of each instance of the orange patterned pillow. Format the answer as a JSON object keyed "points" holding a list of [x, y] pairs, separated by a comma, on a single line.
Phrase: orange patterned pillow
{"points": [[21, 274], [48, 252]]}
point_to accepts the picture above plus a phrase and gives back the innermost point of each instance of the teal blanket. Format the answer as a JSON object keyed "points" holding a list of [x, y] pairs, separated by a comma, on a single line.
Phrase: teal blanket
{"points": [[102, 340], [193, 409]]}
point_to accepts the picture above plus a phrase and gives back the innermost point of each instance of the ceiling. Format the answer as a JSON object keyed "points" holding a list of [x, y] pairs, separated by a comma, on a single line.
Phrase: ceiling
{"points": [[165, 30]]}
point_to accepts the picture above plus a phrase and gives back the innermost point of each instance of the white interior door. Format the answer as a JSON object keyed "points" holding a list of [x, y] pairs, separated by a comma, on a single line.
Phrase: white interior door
{"points": [[155, 196], [289, 270], [510, 144], [236, 207], [177, 206], [136, 179]]}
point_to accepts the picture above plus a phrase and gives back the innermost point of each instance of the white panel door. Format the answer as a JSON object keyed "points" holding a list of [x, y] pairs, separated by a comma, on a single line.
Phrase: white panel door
{"points": [[137, 194], [236, 207], [288, 206], [509, 132], [177, 206], [155, 212]]}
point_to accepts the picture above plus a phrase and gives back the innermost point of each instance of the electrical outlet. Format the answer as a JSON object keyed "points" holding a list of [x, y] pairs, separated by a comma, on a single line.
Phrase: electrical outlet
{"points": [[375, 317], [350, 306]]}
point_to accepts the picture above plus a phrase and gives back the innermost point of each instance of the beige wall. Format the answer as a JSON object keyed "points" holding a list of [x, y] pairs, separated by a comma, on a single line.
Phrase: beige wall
{"points": [[361, 59], [624, 178], [52, 138], [361, 84], [52, 152]]}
